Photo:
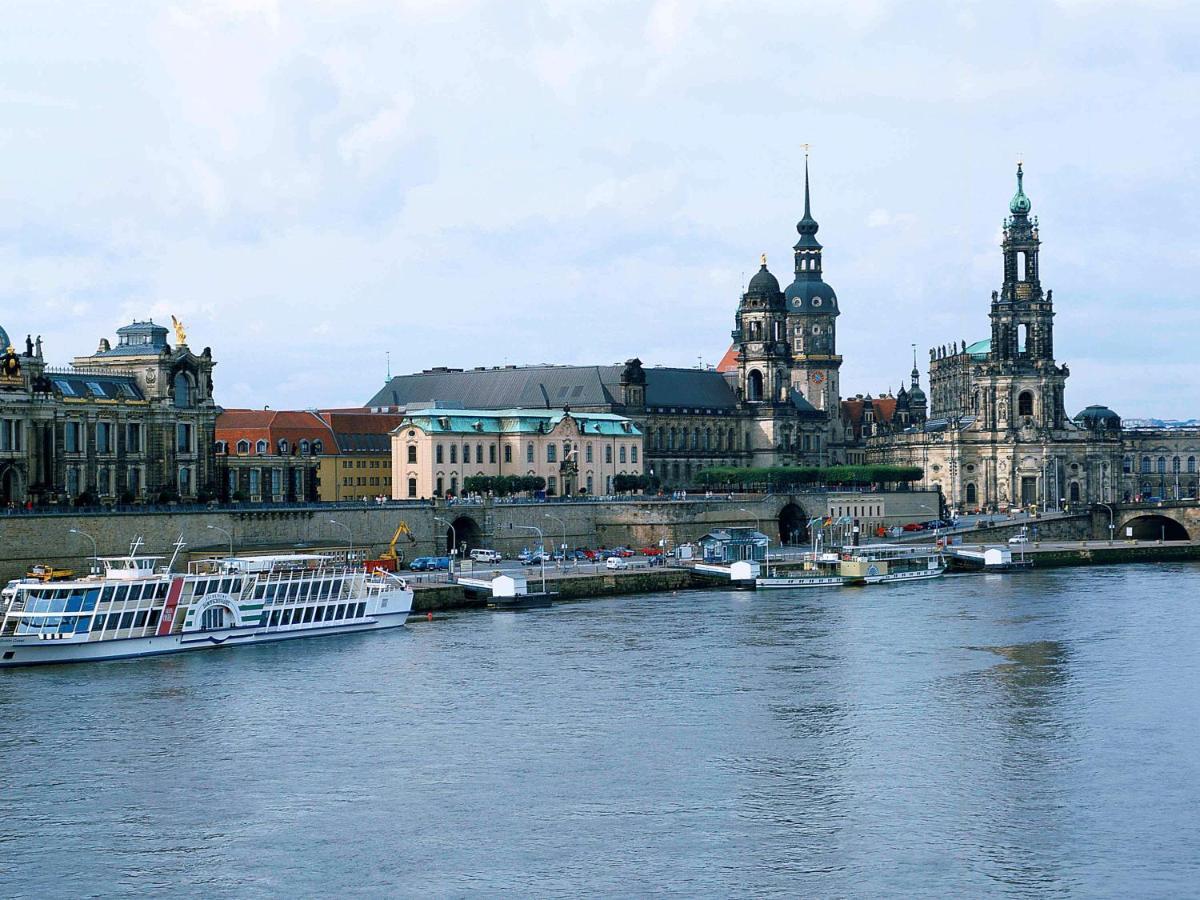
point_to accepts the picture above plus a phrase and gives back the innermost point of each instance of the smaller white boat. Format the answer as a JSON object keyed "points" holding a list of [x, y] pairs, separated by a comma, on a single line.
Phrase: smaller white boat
{"points": [[820, 570], [890, 564]]}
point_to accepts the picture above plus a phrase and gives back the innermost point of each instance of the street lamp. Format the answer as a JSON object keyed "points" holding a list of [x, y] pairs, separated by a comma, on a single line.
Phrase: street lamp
{"points": [[350, 538], [564, 531], [454, 537], [224, 532], [542, 554], [1110, 520], [95, 552]]}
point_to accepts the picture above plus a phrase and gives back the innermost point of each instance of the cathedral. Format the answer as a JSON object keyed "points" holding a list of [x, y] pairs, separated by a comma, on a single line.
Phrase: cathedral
{"points": [[998, 434]]}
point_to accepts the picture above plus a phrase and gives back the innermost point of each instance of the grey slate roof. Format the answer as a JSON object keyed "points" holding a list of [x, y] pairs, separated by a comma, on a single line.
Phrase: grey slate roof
{"points": [[104, 387], [596, 388]]}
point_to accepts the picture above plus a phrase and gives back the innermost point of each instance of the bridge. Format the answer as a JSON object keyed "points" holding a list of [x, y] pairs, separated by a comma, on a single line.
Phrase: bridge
{"points": [[1163, 520]]}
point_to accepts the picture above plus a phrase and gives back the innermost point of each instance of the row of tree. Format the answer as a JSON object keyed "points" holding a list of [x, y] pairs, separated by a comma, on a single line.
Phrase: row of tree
{"points": [[627, 484], [777, 477]]}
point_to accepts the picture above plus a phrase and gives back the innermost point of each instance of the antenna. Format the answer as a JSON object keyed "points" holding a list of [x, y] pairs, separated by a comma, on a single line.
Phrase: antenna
{"points": [[179, 545], [388, 354]]}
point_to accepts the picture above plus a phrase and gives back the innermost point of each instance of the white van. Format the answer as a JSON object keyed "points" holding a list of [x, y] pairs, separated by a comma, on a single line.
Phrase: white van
{"points": [[486, 556], [615, 562]]}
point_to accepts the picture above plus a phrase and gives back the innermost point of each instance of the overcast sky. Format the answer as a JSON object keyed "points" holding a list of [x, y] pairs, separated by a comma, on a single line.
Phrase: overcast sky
{"points": [[311, 185]]}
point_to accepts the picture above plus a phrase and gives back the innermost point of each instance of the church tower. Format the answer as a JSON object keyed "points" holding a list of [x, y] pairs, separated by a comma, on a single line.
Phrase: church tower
{"points": [[811, 321], [1022, 344], [761, 340]]}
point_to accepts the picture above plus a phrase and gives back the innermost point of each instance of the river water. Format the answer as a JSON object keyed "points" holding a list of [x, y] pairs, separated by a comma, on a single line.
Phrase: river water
{"points": [[1018, 735]]}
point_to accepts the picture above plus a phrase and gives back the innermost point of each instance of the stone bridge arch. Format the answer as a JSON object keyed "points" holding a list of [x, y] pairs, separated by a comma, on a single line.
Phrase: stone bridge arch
{"points": [[1155, 527], [1160, 521]]}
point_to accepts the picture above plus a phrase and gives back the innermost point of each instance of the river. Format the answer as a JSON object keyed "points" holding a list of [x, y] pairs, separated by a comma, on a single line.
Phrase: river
{"points": [[1025, 735]]}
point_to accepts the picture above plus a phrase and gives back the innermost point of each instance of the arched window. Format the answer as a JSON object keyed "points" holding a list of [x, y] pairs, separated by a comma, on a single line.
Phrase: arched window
{"points": [[608, 453], [412, 453], [1162, 465], [1191, 464], [183, 391], [1025, 404], [621, 453], [283, 446], [243, 447], [508, 453], [529, 452], [305, 447], [466, 453], [971, 494], [707, 438], [587, 453], [1175, 464], [695, 438], [551, 453], [755, 331], [453, 453], [1145, 464], [261, 448], [1074, 492], [222, 447], [412, 487], [1022, 339], [318, 447], [438, 455], [671, 438], [754, 385]]}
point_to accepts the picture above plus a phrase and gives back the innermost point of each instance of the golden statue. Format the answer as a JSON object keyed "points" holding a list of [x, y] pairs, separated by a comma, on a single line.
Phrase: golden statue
{"points": [[763, 259], [180, 334]]}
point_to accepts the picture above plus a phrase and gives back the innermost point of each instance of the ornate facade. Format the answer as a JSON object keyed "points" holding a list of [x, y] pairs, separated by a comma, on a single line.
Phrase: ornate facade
{"points": [[998, 433], [129, 423]]}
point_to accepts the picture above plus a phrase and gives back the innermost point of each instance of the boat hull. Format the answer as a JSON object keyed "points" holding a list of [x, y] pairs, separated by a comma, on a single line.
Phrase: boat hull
{"points": [[897, 577], [763, 584], [32, 652]]}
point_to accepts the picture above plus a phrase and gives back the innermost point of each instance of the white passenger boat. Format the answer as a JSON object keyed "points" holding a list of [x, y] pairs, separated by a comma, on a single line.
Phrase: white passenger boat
{"points": [[889, 564], [819, 570], [136, 607]]}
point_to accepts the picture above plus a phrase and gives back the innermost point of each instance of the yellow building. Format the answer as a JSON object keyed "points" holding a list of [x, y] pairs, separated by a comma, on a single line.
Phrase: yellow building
{"points": [[435, 450]]}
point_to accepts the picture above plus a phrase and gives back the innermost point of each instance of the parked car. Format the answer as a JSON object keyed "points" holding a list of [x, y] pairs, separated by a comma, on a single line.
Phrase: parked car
{"points": [[913, 526], [535, 559], [421, 563], [624, 552], [651, 551], [615, 562], [1019, 538], [486, 556]]}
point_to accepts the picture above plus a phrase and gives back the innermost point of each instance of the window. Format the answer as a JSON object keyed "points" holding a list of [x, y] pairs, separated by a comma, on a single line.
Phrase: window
{"points": [[621, 453], [1025, 404], [754, 385], [971, 493], [492, 453], [255, 482], [283, 447], [587, 452], [551, 485], [412, 487], [453, 453], [529, 452], [1022, 339], [551, 453], [183, 391], [479, 454], [1145, 464], [133, 480], [437, 454], [261, 448], [243, 447], [633, 453], [1175, 464], [185, 480], [305, 448], [412, 453], [608, 453], [1127, 465], [133, 438], [104, 437], [1191, 464], [1162, 465], [507, 453], [318, 447], [183, 437], [73, 437]]}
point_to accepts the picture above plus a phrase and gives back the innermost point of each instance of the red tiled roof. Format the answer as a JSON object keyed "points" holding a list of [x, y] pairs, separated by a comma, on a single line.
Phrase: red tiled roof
{"points": [[728, 362]]}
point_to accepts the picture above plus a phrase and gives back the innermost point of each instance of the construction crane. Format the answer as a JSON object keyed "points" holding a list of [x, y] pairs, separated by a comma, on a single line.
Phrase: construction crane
{"points": [[391, 558]]}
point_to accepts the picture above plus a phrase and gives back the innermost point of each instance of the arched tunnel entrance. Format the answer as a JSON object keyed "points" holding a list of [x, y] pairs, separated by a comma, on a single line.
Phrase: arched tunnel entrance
{"points": [[466, 530], [1157, 528], [793, 525]]}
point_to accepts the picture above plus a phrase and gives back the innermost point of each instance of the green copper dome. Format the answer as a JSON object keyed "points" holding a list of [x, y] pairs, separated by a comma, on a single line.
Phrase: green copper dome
{"points": [[1019, 205]]}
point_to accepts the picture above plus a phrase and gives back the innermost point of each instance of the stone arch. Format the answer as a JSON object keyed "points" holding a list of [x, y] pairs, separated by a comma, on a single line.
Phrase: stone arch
{"points": [[10, 485], [1155, 527], [793, 525], [754, 385], [467, 531]]}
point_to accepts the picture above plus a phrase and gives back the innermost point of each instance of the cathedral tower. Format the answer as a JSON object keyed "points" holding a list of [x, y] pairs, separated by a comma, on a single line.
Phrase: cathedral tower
{"points": [[811, 321], [761, 341]]}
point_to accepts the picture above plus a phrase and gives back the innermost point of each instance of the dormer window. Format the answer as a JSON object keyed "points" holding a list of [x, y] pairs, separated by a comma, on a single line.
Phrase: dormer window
{"points": [[283, 446], [261, 448], [304, 448]]}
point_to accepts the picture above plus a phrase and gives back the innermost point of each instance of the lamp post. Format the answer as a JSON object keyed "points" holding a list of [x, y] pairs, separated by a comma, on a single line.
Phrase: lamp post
{"points": [[350, 538], [95, 552], [224, 532], [758, 530], [1110, 520], [453, 537], [542, 555], [564, 531]]}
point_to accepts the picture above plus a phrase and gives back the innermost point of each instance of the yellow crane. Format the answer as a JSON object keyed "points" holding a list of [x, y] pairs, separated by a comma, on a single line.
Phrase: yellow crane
{"points": [[391, 558]]}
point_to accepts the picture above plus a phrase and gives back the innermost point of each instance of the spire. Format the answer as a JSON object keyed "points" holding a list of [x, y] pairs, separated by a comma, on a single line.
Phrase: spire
{"points": [[808, 225], [1020, 205], [916, 373]]}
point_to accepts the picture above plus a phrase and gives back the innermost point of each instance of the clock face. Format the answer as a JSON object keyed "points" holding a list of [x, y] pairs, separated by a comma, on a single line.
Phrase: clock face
{"points": [[818, 377]]}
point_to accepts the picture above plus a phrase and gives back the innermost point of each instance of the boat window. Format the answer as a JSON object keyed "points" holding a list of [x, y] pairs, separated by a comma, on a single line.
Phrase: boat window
{"points": [[329, 611], [291, 590], [341, 611], [287, 617], [98, 624], [260, 592], [154, 617], [273, 619], [308, 614], [140, 619], [106, 594], [127, 619], [120, 594]]}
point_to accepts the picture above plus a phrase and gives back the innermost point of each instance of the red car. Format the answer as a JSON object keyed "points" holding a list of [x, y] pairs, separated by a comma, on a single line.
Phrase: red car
{"points": [[913, 526], [651, 551], [625, 552]]}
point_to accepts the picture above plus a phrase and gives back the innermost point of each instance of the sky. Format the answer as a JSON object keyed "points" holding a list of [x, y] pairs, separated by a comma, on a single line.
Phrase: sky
{"points": [[311, 186]]}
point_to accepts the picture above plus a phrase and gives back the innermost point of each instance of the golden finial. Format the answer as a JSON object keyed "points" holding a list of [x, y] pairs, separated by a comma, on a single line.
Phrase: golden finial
{"points": [[180, 334], [763, 259], [806, 146]]}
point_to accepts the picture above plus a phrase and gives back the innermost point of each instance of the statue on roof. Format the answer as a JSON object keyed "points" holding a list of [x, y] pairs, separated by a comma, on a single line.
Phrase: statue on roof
{"points": [[180, 333], [10, 366], [29, 345]]}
